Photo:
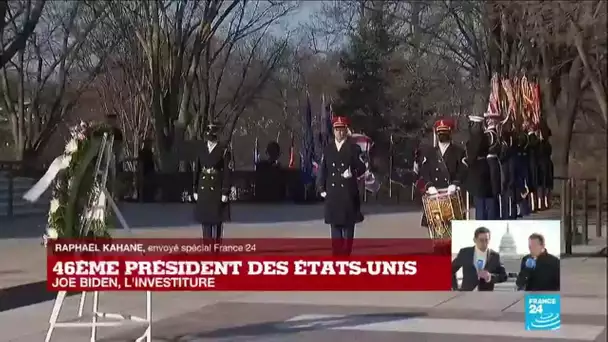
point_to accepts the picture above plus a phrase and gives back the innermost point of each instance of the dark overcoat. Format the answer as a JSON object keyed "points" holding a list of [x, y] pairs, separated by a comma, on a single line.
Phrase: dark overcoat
{"points": [[533, 162], [441, 171], [545, 165], [342, 202], [479, 176], [494, 165], [507, 164], [213, 180]]}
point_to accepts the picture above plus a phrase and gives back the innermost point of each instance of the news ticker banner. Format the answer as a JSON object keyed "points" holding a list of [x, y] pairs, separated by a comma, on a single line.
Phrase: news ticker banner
{"points": [[543, 311], [248, 265]]}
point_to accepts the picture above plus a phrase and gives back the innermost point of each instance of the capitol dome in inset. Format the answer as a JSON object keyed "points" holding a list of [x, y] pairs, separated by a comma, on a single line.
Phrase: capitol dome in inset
{"points": [[507, 244]]}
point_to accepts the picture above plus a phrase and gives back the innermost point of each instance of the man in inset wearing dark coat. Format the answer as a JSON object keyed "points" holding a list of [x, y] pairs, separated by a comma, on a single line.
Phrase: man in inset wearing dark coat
{"points": [[481, 266], [213, 185], [443, 165], [340, 167], [539, 271]]}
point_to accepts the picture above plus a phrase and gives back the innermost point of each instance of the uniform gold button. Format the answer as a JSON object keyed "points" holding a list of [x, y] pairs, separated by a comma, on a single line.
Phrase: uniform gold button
{"points": [[342, 185], [202, 188], [333, 164], [211, 188], [333, 174], [333, 184], [437, 169], [342, 164]]}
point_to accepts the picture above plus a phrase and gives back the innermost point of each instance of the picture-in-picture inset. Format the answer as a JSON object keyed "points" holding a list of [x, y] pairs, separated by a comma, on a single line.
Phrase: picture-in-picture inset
{"points": [[506, 255]]}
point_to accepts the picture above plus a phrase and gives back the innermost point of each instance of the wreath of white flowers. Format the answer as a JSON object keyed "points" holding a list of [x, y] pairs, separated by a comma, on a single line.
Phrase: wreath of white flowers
{"points": [[70, 207]]}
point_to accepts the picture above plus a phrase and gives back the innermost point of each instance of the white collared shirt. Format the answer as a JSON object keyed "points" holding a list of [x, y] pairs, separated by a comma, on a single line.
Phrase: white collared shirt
{"points": [[339, 144], [480, 255], [211, 145], [443, 147]]}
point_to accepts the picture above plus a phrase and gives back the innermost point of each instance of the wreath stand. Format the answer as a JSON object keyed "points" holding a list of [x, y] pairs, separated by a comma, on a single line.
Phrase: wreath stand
{"points": [[112, 319]]}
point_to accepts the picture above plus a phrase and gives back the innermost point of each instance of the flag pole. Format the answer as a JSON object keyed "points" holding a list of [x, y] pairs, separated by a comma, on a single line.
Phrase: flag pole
{"points": [[390, 168]]}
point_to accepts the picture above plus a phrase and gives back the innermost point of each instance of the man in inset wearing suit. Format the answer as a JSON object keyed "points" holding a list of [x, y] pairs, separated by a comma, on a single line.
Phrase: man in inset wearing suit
{"points": [[540, 271], [481, 266]]}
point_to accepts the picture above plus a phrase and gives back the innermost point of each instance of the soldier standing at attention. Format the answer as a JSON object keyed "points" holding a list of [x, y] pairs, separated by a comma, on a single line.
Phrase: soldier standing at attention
{"points": [[213, 185], [545, 170], [507, 162], [340, 167]]}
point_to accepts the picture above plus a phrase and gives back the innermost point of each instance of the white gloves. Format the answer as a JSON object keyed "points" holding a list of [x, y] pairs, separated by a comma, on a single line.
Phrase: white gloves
{"points": [[452, 189], [347, 174], [323, 194], [432, 190], [195, 196], [224, 198]]}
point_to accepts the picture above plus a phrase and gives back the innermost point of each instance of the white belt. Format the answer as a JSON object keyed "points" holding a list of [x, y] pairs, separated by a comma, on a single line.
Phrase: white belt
{"points": [[492, 156]]}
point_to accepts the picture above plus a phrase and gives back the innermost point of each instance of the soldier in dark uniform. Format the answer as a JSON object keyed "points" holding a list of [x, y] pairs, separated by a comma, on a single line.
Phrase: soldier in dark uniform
{"points": [[443, 165], [545, 169], [533, 168], [493, 159], [269, 177], [507, 161], [340, 167], [479, 177], [213, 185], [522, 172]]}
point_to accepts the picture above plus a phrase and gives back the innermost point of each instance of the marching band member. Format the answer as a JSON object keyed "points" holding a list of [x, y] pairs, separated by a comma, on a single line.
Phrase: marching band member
{"points": [[442, 166], [479, 179], [340, 167], [213, 185]]}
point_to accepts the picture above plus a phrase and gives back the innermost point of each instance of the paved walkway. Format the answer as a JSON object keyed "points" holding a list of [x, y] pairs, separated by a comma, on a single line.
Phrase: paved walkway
{"points": [[306, 316]]}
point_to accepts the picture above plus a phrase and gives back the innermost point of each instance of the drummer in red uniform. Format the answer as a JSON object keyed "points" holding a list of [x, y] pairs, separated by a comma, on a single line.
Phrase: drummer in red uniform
{"points": [[443, 165]]}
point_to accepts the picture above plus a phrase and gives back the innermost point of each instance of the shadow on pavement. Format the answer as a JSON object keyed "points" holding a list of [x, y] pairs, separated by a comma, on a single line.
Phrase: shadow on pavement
{"points": [[24, 295], [292, 327], [167, 215]]}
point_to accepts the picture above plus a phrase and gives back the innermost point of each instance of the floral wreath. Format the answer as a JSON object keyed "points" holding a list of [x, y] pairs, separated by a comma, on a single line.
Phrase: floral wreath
{"points": [[77, 199]]}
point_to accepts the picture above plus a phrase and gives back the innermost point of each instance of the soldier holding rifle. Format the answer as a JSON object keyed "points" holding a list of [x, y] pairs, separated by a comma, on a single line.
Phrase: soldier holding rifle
{"points": [[339, 169]]}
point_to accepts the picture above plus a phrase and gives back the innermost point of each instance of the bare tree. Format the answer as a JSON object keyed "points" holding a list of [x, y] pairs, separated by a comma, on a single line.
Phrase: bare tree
{"points": [[123, 92], [549, 34], [19, 20], [237, 63], [46, 79], [175, 37]]}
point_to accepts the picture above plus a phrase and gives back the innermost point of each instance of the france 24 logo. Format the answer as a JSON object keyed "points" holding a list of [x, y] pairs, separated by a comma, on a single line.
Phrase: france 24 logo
{"points": [[543, 311]]}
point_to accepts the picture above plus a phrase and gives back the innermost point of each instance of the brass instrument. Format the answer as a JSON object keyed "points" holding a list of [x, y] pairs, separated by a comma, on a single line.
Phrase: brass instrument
{"points": [[440, 209]]}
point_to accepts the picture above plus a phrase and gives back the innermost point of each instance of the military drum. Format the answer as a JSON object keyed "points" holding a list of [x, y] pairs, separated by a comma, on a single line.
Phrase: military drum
{"points": [[440, 209]]}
